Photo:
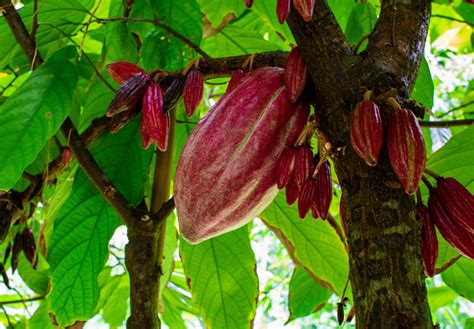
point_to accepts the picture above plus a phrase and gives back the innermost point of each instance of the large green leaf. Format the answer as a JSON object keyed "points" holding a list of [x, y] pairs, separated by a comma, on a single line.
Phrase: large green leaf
{"points": [[158, 51], [86, 222], [267, 12], [183, 16], [120, 43], [36, 279], [40, 318], [306, 296], [361, 22], [312, 244], [32, 115], [114, 295], [423, 91], [460, 277], [221, 273], [216, 10]]}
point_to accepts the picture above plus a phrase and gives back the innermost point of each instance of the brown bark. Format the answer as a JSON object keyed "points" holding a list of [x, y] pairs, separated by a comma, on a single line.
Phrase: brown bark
{"points": [[384, 250]]}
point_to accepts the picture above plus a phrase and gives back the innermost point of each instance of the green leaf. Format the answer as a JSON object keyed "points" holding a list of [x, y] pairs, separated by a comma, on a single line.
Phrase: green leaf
{"points": [[216, 10], [40, 318], [221, 273], [170, 246], [312, 244], [233, 41], [114, 295], [159, 50], [439, 297], [36, 279], [276, 31], [120, 43], [306, 296], [32, 115], [97, 100], [182, 16], [456, 158], [423, 91], [459, 277], [86, 222], [361, 22]]}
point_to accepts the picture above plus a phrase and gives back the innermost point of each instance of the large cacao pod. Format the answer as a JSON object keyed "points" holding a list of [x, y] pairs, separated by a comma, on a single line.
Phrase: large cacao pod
{"points": [[455, 235], [226, 172], [457, 202], [406, 149], [429, 240], [367, 131]]}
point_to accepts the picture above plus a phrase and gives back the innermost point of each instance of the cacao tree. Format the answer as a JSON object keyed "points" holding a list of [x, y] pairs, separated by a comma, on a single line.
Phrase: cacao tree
{"points": [[157, 157]]}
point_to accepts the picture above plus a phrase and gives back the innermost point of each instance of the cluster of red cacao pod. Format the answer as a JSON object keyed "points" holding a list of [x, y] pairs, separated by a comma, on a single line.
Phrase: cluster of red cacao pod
{"points": [[139, 91], [451, 210], [405, 143], [304, 7]]}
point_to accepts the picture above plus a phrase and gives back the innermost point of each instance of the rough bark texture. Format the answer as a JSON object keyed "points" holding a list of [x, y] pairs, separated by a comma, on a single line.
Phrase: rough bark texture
{"points": [[385, 260]]}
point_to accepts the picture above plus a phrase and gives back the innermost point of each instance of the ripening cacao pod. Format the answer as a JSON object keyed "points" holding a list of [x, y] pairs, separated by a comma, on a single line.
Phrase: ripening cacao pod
{"points": [[306, 196], [292, 191], [305, 8], [248, 3], [283, 9], [156, 123], [122, 71], [66, 156], [367, 131], [304, 165], [146, 138], [455, 235], [193, 91], [284, 171], [457, 202], [429, 240], [237, 75], [406, 149], [323, 196], [173, 94], [295, 74], [129, 94], [28, 245], [226, 172]]}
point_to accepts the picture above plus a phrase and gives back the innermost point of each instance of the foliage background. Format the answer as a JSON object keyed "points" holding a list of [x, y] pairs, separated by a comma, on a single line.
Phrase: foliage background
{"points": [[83, 274]]}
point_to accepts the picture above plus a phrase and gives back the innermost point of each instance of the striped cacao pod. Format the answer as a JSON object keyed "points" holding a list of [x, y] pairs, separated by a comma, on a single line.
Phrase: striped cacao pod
{"points": [[323, 195], [156, 123], [295, 74], [283, 9], [305, 8], [122, 71], [129, 95], [429, 240], [193, 91], [226, 172], [406, 149]]}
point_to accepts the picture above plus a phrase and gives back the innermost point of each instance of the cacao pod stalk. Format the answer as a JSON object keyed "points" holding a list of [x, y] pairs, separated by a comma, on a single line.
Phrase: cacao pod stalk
{"points": [[226, 172]]}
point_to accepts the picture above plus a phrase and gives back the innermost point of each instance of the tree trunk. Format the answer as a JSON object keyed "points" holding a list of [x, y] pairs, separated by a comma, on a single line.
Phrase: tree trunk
{"points": [[383, 234]]}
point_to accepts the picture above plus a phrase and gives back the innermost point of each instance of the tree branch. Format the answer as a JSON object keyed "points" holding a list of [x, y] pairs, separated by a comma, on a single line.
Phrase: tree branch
{"points": [[446, 124], [456, 108], [21, 33], [16, 301], [452, 19]]}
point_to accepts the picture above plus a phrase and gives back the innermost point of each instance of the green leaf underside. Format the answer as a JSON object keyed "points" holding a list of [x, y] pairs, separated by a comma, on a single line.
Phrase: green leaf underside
{"points": [[32, 115], [313, 244], [86, 222], [221, 273]]}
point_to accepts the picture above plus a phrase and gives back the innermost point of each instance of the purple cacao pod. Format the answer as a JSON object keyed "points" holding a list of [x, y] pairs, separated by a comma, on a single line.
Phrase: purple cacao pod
{"points": [[193, 89], [283, 9], [295, 74], [429, 240], [292, 191], [284, 171], [226, 172], [323, 196], [304, 165], [305, 8]]}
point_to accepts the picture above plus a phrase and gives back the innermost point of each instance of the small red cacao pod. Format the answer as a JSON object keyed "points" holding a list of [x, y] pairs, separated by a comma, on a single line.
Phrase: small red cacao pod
{"points": [[305, 8], [406, 149], [292, 191], [429, 240], [306, 196], [122, 71], [295, 74], [236, 77], [283, 9], [304, 165], [193, 91], [461, 240], [129, 94], [66, 156], [367, 131], [323, 196], [314, 211], [226, 172], [284, 171], [156, 123], [342, 214], [457, 202], [248, 3], [146, 138]]}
